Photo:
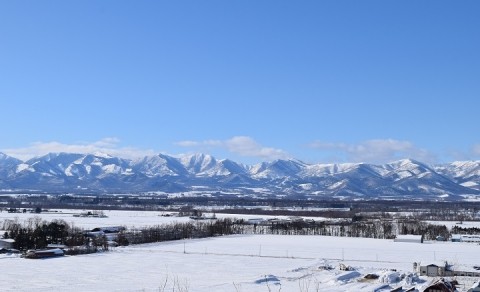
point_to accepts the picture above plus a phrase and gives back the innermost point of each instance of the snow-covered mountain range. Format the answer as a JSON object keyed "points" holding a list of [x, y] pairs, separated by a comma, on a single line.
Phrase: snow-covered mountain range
{"points": [[101, 173]]}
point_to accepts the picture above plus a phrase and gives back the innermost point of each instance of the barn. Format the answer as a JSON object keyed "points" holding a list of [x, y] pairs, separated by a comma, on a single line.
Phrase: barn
{"points": [[409, 238], [465, 238], [43, 253], [442, 285], [433, 269], [6, 243]]}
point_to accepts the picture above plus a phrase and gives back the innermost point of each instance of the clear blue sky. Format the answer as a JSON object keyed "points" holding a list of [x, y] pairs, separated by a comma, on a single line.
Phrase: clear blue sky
{"points": [[320, 81]]}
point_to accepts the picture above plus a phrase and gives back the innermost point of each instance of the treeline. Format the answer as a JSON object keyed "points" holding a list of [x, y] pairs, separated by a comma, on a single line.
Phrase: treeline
{"points": [[185, 230], [311, 206], [35, 233], [377, 229], [429, 231], [465, 230]]}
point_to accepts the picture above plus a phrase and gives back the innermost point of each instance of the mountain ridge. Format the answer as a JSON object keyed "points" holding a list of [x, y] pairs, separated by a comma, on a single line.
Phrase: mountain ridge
{"points": [[101, 173]]}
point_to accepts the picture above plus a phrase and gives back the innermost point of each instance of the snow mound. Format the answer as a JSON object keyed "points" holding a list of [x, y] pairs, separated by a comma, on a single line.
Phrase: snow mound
{"points": [[347, 276], [267, 278], [389, 277]]}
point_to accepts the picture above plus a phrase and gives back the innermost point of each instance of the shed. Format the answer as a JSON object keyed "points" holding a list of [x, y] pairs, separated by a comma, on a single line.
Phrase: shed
{"points": [[6, 243], [456, 238], [470, 238], [255, 220], [109, 229], [44, 253], [54, 245], [433, 269], [409, 238]]}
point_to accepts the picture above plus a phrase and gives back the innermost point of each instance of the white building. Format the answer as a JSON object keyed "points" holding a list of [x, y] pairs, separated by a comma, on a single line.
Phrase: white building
{"points": [[444, 269], [466, 238], [255, 221], [409, 238], [6, 243]]}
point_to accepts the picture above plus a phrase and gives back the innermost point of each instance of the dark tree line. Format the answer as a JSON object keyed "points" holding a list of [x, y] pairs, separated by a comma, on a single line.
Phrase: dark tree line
{"points": [[380, 229], [37, 234], [429, 231], [176, 231], [465, 230]]}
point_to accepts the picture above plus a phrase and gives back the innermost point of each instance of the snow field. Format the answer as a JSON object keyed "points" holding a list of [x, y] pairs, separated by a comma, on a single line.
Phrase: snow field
{"points": [[231, 263]]}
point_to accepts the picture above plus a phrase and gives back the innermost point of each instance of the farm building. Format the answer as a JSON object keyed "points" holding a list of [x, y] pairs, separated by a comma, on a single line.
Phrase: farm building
{"points": [[110, 233], [432, 269], [465, 238], [44, 253], [442, 285], [255, 220], [54, 245], [6, 243], [409, 238], [109, 229], [456, 238], [443, 269]]}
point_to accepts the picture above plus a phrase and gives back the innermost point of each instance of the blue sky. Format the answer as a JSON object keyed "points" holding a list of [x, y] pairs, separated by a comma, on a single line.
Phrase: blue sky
{"points": [[320, 81]]}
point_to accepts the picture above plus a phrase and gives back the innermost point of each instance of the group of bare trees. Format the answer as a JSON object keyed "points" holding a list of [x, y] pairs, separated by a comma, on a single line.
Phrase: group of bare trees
{"points": [[35, 233], [177, 230], [381, 229], [465, 230]]}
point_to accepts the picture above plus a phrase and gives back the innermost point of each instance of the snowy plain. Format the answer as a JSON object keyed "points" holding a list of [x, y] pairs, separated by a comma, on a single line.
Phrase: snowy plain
{"points": [[229, 263], [129, 219]]}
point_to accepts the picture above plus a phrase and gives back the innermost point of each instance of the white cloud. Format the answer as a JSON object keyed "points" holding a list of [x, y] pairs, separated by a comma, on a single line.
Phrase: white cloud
{"points": [[375, 151], [241, 145], [107, 145], [247, 146], [473, 153], [190, 143], [476, 150]]}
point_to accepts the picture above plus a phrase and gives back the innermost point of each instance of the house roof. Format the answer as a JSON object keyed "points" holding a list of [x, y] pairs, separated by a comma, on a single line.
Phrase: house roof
{"points": [[409, 236], [9, 240], [434, 263], [442, 285]]}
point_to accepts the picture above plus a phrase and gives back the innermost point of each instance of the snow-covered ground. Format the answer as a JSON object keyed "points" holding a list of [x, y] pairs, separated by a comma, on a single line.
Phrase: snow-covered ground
{"points": [[230, 263], [235, 263], [128, 219]]}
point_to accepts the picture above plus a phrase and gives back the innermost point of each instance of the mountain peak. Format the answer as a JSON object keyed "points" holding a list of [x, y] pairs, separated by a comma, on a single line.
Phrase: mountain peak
{"points": [[198, 162], [4, 156], [102, 155], [100, 172]]}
